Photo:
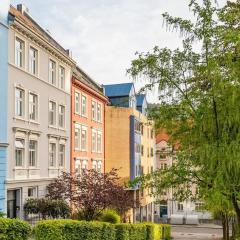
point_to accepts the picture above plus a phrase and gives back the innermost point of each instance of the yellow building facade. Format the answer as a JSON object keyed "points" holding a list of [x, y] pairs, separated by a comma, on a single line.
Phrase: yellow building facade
{"points": [[130, 142]]}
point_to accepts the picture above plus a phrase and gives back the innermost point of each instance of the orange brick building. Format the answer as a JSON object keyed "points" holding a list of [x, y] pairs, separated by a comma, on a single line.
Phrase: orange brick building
{"points": [[88, 123]]}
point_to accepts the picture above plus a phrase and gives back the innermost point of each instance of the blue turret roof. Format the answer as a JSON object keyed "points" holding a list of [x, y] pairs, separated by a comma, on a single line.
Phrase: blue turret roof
{"points": [[118, 90]]}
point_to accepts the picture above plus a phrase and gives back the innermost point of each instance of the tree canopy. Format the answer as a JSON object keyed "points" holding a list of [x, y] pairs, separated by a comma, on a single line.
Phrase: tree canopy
{"points": [[199, 98]]}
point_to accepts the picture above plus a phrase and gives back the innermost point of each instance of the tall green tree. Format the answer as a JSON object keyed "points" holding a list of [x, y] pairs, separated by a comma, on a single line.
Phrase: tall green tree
{"points": [[199, 93]]}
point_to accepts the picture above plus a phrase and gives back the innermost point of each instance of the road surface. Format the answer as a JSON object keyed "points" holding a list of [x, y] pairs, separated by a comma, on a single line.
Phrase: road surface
{"points": [[196, 232]]}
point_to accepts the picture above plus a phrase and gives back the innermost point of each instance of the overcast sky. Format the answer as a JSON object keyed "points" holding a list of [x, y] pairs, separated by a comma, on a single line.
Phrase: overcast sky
{"points": [[104, 35]]}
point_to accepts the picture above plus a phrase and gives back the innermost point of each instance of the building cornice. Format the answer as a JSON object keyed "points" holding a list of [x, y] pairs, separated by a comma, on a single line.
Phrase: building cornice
{"points": [[20, 27], [77, 83]]}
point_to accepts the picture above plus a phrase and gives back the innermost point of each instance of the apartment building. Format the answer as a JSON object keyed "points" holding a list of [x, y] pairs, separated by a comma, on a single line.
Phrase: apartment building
{"points": [[130, 144], [39, 104], [3, 103], [177, 212], [88, 123]]}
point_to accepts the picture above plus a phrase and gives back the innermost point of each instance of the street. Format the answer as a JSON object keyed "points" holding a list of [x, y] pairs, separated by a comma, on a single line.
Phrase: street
{"points": [[196, 232]]}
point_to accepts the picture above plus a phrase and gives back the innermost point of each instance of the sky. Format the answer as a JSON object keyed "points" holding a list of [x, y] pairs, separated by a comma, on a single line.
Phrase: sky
{"points": [[104, 35]]}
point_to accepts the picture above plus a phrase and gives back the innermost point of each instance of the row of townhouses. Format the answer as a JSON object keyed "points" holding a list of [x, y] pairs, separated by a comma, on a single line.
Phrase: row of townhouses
{"points": [[55, 118]]}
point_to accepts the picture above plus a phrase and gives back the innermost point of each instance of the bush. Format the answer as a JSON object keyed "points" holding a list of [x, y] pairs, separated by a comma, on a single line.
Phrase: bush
{"points": [[14, 229], [83, 230], [74, 230], [153, 231], [126, 231], [47, 207], [166, 231], [110, 216]]}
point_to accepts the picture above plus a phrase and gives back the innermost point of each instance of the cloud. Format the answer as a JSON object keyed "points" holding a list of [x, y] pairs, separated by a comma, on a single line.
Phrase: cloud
{"points": [[105, 34]]}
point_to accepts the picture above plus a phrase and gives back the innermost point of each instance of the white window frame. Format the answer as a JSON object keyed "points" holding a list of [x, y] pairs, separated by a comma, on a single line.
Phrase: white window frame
{"points": [[94, 142], [52, 154], [62, 77], [36, 106], [33, 61], [17, 100], [99, 112], [77, 129], [84, 129], [77, 103], [52, 72], [35, 191], [20, 64], [62, 115], [62, 155], [54, 113], [34, 152], [99, 148], [93, 110], [83, 112], [20, 148]]}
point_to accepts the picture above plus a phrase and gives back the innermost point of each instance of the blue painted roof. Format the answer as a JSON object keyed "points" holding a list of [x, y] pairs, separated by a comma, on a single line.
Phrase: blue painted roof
{"points": [[140, 98], [118, 90]]}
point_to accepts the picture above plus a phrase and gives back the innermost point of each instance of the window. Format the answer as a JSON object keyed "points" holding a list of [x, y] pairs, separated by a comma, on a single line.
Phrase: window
{"points": [[94, 166], [84, 139], [199, 206], [99, 166], [19, 102], [33, 106], [19, 53], [19, 152], [84, 165], [33, 57], [77, 102], [61, 155], [151, 152], [52, 113], [52, 72], [152, 134], [32, 192], [94, 110], [80, 165], [84, 106], [137, 126], [99, 112], [52, 154], [138, 148], [94, 141], [180, 207], [77, 137], [62, 77], [142, 150], [61, 116], [99, 142], [32, 153]]}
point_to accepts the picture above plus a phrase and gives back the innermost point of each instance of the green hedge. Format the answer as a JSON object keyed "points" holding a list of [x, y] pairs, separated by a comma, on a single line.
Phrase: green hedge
{"points": [[165, 231], [74, 230], [126, 231], [14, 229], [82, 230]]}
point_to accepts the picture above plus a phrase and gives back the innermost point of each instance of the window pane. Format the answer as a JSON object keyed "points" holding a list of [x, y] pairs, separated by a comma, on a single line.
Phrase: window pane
{"points": [[33, 106], [19, 102], [32, 153]]}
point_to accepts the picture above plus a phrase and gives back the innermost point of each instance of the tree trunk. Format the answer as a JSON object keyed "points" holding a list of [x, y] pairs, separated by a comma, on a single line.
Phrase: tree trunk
{"points": [[227, 227], [237, 210], [224, 227]]}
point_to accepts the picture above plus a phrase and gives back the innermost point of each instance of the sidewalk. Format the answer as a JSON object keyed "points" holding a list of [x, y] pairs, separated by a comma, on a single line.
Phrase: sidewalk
{"points": [[204, 225]]}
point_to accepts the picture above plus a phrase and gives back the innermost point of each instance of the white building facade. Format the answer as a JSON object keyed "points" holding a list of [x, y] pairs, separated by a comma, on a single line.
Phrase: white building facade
{"points": [[39, 105], [187, 212]]}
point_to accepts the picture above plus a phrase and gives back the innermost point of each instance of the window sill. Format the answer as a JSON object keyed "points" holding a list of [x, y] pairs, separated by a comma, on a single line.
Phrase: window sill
{"points": [[20, 118], [52, 126], [62, 129], [34, 122]]}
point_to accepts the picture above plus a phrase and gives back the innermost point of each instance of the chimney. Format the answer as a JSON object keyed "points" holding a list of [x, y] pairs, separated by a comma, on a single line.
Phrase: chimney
{"points": [[22, 8]]}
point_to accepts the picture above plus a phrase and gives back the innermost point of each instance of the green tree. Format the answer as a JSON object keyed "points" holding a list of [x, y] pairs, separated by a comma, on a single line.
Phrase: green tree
{"points": [[199, 97]]}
